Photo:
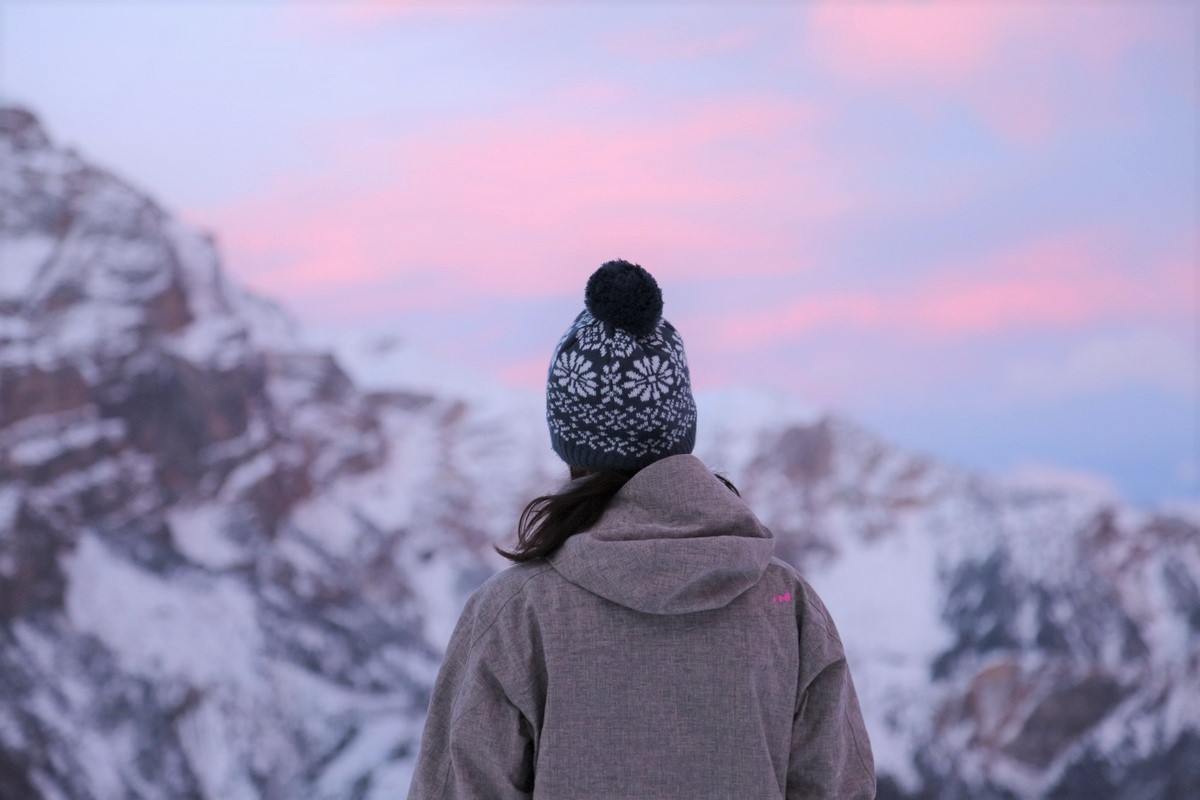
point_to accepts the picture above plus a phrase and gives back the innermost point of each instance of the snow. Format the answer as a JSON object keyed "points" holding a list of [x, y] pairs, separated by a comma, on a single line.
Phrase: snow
{"points": [[885, 598], [435, 584], [888, 595], [219, 342], [1187, 508], [396, 500], [206, 737], [201, 271], [1040, 477], [323, 517], [130, 271], [377, 724], [190, 627], [38, 450], [248, 474], [255, 437], [271, 327], [378, 359], [1040, 535], [12, 328], [732, 421], [104, 329], [198, 533], [392, 780], [21, 257], [62, 708], [369, 748]]}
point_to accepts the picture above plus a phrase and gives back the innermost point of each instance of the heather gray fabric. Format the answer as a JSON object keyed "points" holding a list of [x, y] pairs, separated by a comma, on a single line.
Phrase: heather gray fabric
{"points": [[662, 654]]}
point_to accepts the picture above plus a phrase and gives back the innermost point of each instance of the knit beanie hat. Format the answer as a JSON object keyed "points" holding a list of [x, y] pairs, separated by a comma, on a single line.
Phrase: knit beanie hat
{"points": [[618, 393]]}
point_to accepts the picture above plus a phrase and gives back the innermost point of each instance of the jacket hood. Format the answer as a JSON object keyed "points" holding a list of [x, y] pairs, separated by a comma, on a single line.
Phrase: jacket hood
{"points": [[673, 540]]}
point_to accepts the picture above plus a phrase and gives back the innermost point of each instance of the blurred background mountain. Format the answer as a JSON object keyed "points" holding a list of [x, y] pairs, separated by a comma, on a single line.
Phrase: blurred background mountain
{"points": [[231, 552]]}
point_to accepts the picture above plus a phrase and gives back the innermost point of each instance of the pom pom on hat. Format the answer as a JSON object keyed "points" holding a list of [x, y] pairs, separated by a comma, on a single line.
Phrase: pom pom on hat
{"points": [[625, 296]]}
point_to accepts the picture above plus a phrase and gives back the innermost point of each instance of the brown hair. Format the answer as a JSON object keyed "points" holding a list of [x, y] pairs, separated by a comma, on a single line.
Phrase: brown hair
{"points": [[551, 519]]}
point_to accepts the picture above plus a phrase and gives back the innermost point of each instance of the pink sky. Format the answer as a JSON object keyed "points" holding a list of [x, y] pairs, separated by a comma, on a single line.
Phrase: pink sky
{"points": [[935, 196]]}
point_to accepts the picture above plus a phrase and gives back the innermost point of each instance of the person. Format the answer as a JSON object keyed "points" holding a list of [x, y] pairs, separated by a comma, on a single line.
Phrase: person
{"points": [[646, 643]]}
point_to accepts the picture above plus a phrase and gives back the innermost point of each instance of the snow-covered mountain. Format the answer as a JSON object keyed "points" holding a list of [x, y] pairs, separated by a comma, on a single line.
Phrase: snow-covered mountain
{"points": [[224, 569], [230, 557]]}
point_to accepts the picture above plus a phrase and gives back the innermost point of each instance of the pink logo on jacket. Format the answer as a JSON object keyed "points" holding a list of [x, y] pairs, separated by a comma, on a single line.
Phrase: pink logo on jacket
{"points": [[786, 597]]}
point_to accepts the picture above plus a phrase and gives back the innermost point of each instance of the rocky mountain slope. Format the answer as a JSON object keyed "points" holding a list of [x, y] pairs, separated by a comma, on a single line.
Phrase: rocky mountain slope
{"points": [[222, 565], [229, 559]]}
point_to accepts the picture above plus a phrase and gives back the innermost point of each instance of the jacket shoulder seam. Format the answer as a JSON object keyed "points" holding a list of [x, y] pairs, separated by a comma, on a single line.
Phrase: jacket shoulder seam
{"points": [[513, 596]]}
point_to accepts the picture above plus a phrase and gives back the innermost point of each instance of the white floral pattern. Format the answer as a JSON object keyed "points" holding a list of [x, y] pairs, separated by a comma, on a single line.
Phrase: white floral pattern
{"points": [[649, 379], [610, 384], [575, 374], [593, 337]]}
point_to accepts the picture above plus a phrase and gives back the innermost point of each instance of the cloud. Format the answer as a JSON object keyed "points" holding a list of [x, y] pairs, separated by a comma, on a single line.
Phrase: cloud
{"points": [[1057, 282], [1144, 357], [471, 203], [939, 44], [674, 43], [1020, 67], [1023, 118], [524, 202], [527, 372], [830, 309], [953, 44]]}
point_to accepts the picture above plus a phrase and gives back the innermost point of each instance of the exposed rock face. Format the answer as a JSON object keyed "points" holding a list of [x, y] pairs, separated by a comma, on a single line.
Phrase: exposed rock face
{"points": [[227, 570]]}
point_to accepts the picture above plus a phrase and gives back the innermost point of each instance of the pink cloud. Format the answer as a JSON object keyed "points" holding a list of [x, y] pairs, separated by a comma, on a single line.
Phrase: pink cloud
{"points": [[595, 93], [831, 309], [678, 44], [1006, 61], [873, 42], [952, 43], [1021, 118], [526, 371], [521, 204], [1061, 282], [1055, 281]]}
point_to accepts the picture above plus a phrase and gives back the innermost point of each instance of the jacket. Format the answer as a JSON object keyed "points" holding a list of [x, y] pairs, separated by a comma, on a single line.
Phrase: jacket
{"points": [[662, 653]]}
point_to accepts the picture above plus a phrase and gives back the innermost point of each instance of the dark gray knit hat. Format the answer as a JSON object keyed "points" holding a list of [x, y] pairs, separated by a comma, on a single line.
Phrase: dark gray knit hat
{"points": [[618, 393]]}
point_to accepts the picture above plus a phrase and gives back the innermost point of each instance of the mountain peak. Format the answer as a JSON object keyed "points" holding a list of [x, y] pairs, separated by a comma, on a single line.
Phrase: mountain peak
{"points": [[93, 267], [21, 126]]}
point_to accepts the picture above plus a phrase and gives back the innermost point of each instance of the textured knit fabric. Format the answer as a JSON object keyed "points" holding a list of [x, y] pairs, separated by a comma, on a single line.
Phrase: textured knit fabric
{"points": [[662, 654], [617, 400]]}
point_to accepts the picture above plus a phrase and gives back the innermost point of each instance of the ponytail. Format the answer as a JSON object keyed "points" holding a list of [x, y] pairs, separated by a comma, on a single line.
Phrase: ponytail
{"points": [[551, 519]]}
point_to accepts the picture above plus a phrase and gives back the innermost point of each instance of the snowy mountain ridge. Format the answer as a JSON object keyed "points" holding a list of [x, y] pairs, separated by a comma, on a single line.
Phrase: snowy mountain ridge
{"points": [[229, 559]]}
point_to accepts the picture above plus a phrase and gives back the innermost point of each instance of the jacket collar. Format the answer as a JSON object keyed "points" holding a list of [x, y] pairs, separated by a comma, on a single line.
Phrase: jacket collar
{"points": [[673, 540]]}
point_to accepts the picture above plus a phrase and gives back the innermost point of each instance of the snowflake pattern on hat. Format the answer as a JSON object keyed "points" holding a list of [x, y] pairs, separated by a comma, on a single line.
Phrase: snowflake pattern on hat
{"points": [[617, 400], [575, 374], [593, 335], [649, 379]]}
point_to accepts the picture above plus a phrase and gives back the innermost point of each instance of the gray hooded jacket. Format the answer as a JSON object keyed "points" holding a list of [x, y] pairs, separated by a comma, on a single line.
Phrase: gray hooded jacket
{"points": [[663, 653]]}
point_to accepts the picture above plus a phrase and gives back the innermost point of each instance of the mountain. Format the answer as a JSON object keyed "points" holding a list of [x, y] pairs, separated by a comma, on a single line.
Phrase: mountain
{"points": [[230, 556], [1008, 640], [224, 569]]}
